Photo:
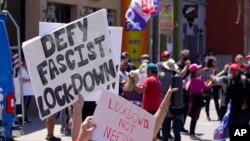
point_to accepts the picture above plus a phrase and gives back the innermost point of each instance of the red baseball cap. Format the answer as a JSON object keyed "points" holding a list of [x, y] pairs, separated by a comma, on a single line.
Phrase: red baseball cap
{"points": [[234, 66], [248, 56], [165, 54]]}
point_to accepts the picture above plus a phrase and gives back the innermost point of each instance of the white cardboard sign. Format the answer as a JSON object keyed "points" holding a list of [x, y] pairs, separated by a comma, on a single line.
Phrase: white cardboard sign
{"points": [[115, 45], [120, 120], [74, 58]]}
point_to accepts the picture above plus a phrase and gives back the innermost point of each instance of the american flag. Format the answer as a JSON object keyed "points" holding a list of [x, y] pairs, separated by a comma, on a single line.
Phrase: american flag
{"points": [[140, 11], [15, 64]]}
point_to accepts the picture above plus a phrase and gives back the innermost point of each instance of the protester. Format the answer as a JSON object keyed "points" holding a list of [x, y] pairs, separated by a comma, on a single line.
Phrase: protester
{"points": [[210, 55], [211, 69], [123, 76], [131, 66], [27, 91], [145, 58], [237, 92], [50, 125], [168, 69], [247, 74], [223, 103], [82, 131], [195, 86], [183, 65], [151, 89], [239, 60], [129, 93], [65, 117]]}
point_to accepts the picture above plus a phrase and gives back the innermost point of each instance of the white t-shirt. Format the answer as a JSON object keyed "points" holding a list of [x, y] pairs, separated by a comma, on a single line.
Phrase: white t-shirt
{"points": [[123, 75], [27, 88], [210, 57]]}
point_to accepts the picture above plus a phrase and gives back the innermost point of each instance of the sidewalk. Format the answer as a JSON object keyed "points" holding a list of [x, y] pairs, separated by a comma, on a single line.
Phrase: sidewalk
{"points": [[36, 130]]}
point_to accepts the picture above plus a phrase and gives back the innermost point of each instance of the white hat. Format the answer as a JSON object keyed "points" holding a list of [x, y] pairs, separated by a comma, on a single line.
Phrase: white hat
{"points": [[170, 65]]}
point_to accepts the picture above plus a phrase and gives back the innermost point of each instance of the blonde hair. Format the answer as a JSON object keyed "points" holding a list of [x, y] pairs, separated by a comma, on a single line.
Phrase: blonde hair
{"points": [[128, 86]]}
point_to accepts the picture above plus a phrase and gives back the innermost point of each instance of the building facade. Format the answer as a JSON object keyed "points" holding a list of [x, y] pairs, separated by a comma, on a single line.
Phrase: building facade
{"points": [[65, 11], [226, 35], [188, 30], [193, 27]]}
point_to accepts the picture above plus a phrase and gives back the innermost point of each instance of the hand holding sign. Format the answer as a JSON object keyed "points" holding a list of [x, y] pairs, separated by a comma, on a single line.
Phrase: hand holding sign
{"points": [[120, 120], [87, 128]]}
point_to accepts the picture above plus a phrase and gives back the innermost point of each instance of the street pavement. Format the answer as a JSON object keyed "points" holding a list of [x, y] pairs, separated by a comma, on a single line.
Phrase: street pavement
{"points": [[36, 130]]}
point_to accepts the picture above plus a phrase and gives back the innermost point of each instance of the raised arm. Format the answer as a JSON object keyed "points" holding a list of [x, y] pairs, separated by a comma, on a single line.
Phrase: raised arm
{"points": [[162, 110], [76, 117]]}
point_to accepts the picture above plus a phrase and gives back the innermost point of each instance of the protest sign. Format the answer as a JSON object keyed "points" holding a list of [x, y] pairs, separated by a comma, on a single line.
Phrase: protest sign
{"points": [[120, 120], [115, 45], [74, 58]]}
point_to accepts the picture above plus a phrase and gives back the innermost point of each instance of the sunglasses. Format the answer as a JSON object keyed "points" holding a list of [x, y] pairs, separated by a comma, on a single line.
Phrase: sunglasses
{"points": [[239, 58]]}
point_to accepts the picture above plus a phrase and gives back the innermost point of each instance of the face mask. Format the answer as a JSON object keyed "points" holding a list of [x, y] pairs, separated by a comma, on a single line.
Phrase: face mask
{"points": [[185, 58]]}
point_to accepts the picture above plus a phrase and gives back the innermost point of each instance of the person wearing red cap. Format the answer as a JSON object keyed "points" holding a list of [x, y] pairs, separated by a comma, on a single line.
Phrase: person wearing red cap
{"points": [[237, 91], [196, 86], [239, 60]]}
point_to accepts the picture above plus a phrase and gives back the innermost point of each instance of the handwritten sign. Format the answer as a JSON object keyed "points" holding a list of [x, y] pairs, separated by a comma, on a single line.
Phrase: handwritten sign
{"points": [[115, 45], [120, 120], [74, 58]]}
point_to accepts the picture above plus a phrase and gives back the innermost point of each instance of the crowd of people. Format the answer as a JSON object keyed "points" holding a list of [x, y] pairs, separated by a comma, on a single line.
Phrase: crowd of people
{"points": [[149, 87], [202, 81]]}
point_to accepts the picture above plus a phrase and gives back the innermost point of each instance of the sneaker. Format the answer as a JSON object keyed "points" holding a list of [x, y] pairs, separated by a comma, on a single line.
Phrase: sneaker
{"points": [[66, 131], [184, 130], [193, 137], [53, 138], [171, 137]]}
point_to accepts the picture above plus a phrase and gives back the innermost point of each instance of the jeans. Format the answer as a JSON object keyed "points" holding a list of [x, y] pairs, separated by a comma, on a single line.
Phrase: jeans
{"points": [[192, 126], [26, 100], [215, 94], [166, 128]]}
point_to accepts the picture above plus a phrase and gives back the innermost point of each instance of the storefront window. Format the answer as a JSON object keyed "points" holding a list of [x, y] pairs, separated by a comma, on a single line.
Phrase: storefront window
{"points": [[88, 10], [57, 13]]}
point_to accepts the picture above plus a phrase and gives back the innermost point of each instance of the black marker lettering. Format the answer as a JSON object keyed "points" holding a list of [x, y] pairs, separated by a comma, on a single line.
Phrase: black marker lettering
{"points": [[60, 43], [48, 45], [42, 72]]}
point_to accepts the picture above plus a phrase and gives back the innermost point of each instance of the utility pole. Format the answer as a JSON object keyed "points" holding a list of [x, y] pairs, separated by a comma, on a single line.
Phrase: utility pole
{"points": [[156, 40], [177, 28]]}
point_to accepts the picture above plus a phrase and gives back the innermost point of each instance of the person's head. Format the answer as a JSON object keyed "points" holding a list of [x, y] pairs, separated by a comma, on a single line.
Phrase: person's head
{"points": [[210, 52], [194, 69], [145, 58], [210, 63], [126, 56], [239, 59], [152, 69], [184, 55], [234, 69], [165, 55], [123, 66]]}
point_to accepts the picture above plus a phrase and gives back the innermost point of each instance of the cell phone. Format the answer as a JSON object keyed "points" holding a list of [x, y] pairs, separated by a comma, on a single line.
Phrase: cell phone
{"points": [[177, 97]]}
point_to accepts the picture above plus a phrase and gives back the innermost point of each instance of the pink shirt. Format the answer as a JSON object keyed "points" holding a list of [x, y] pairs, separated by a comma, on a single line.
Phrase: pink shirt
{"points": [[197, 86]]}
